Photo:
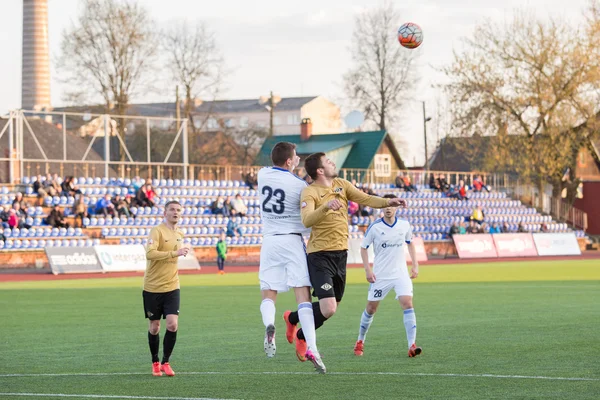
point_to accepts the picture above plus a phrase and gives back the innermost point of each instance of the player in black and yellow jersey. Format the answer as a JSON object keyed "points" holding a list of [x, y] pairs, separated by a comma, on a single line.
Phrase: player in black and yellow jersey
{"points": [[161, 285], [324, 208]]}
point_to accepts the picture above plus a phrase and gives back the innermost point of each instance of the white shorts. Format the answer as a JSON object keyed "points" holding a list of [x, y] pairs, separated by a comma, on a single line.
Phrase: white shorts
{"points": [[380, 289], [283, 263]]}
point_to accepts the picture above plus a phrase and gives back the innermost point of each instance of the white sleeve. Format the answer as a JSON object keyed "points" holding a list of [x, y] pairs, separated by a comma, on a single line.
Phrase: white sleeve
{"points": [[409, 235], [368, 239]]}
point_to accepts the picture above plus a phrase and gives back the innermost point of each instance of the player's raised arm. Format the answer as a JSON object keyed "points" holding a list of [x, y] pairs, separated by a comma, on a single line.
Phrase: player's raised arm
{"points": [[152, 252], [357, 196], [310, 215]]}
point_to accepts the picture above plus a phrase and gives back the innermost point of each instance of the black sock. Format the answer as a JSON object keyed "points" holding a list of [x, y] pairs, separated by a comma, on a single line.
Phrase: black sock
{"points": [[154, 342], [293, 318], [319, 320], [168, 345]]}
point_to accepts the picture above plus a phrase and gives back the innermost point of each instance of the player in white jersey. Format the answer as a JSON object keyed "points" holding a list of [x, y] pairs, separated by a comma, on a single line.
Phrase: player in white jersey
{"points": [[283, 263], [388, 236]]}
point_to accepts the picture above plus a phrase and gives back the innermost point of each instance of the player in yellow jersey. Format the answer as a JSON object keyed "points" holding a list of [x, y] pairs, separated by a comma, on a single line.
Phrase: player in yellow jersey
{"points": [[324, 208], [161, 285]]}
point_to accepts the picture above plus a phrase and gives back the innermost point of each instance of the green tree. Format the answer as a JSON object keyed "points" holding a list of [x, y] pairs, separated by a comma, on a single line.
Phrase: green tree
{"points": [[533, 86]]}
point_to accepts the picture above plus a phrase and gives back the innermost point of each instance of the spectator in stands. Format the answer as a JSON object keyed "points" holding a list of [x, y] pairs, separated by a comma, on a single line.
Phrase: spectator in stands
{"points": [[453, 192], [38, 188], [221, 253], [454, 230], [239, 205], [129, 204], [354, 183], [473, 228], [443, 183], [21, 201], [478, 215], [80, 209], [233, 227], [251, 180], [368, 190], [434, 182], [142, 198], [227, 206], [4, 214], [105, 207], [51, 187], [495, 228], [462, 191], [68, 187], [137, 183], [353, 208], [57, 182], [16, 217], [56, 218], [544, 228], [13, 219], [479, 185], [218, 206], [365, 211], [505, 228], [121, 206], [484, 228], [151, 194], [408, 186], [399, 181], [462, 228], [522, 228]]}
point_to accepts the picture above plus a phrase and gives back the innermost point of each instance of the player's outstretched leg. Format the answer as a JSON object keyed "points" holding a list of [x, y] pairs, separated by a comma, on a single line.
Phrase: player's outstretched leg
{"points": [[315, 358], [292, 319], [267, 310], [366, 320]]}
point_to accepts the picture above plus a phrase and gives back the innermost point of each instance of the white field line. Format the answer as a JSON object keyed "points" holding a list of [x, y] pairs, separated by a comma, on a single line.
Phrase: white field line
{"points": [[490, 376]]}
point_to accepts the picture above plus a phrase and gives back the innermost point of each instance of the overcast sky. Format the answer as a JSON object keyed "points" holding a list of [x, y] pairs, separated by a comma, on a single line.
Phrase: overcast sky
{"points": [[293, 48]]}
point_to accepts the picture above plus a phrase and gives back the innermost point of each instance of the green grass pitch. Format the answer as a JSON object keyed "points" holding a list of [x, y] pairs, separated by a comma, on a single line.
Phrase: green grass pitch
{"points": [[521, 330]]}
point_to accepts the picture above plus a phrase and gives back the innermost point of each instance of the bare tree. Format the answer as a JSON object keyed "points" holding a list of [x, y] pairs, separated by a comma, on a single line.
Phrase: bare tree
{"points": [[247, 142], [195, 63], [534, 93], [383, 73], [108, 51]]}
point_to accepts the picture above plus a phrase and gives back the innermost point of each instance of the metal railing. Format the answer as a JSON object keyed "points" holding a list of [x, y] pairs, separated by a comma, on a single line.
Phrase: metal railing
{"points": [[564, 212]]}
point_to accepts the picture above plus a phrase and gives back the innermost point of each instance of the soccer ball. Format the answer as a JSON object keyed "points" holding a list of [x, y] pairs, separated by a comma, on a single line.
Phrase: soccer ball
{"points": [[410, 35]]}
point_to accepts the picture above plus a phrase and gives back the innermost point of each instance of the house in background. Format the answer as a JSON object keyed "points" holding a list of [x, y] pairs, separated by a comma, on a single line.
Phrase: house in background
{"points": [[356, 152], [211, 116]]}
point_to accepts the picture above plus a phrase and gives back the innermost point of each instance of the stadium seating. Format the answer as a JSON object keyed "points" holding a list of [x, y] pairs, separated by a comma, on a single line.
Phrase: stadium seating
{"points": [[431, 213]]}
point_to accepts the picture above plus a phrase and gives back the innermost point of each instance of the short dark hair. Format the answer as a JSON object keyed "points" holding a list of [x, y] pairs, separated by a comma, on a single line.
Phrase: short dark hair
{"points": [[389, 196], [313, 163], [172, 202], [282, 152]]}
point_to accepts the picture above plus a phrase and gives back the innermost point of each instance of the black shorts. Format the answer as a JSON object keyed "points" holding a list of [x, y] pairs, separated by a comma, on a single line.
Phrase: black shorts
{"points": [[327, 270], [157, 305]]}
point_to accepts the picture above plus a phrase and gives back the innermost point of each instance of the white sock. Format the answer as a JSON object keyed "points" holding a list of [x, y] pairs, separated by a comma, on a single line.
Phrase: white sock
{"points": [[365, 322], [307, 320], [267, 309], [410, 324]]}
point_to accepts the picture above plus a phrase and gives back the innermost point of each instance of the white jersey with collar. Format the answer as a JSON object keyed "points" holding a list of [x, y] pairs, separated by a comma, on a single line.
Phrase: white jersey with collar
{"points": [[388, 243], [280, 192]]}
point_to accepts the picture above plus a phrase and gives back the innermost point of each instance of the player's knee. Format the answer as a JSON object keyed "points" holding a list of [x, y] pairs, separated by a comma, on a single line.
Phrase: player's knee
{"points": [[154, 328], [406, 304], [172, 326], [371, 308], [328, 310]]}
